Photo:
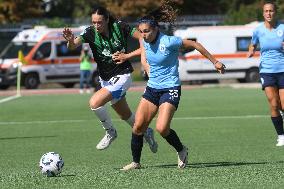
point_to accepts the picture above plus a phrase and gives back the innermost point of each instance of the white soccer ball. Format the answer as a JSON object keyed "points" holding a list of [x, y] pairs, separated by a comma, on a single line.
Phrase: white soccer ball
{"points": [[51, 164]]}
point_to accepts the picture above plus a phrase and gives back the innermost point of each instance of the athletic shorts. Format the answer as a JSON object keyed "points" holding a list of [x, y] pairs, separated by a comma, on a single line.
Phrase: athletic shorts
{"points": [[160, 96], [272, 80], [117, 86]]}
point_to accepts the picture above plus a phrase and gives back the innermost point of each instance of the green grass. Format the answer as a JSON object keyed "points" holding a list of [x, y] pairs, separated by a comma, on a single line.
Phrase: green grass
{"points": [[227, 150]]}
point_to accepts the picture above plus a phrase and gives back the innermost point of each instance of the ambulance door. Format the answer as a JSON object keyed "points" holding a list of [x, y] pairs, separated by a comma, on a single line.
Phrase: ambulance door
{"points": [[43, 62]]}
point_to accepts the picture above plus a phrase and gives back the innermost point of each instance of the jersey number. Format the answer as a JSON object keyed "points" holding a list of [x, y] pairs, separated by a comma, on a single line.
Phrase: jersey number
{"points": [[113, 80]]}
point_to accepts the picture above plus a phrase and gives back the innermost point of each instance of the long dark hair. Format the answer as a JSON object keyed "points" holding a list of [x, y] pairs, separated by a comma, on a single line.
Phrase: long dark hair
{"points": [[165, 13], [104, 12], [272, 3]]}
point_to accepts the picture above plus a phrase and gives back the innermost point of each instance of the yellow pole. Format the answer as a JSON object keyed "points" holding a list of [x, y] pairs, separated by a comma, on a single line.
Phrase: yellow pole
{"points": [[21, 62]]}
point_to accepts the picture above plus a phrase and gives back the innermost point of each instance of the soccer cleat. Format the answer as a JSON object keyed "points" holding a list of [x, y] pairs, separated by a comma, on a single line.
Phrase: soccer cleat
{"points": [[149, 138], [280, 142], [131, 166], [81, 91], [182, 158], [107, 140]]}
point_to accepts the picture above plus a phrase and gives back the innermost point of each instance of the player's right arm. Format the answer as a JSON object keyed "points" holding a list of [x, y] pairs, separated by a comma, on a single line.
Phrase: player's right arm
{"points": [[251, 50], [143, 58], [253, 45], [72, 42]]}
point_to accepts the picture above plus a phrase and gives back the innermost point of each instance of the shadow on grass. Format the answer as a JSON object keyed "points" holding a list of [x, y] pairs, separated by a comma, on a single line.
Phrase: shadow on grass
{"points": [[70, 175], [217, 164], [27, 137]]}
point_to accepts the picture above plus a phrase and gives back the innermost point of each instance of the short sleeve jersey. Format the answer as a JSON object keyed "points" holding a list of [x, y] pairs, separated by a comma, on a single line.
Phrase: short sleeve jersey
{"points": [[271, 48], [103, 47], [162, 56]]}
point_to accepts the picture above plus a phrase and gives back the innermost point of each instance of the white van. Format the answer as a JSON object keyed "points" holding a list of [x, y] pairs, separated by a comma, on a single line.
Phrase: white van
{"points": [[229, 44], [47, 59]]}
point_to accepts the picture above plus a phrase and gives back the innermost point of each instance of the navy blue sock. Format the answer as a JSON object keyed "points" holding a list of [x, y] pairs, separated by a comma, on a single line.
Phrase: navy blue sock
{"points": [[278, 124], [136, 147], [173, 140]]}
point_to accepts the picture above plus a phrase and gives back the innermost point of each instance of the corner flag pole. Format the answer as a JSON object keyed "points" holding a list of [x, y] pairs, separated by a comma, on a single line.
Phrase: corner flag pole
{"points": [[21, 62], [19, 79]]}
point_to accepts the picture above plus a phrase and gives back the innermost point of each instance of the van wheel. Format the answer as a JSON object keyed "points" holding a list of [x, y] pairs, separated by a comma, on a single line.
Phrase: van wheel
{"points": [[31, 81], [68, 85], [4, 87], [96, 81], [241, 80], [252, 75]]}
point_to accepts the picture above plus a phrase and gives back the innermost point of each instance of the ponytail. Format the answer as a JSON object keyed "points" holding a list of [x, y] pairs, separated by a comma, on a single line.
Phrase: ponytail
{"points": [[165, 13]]}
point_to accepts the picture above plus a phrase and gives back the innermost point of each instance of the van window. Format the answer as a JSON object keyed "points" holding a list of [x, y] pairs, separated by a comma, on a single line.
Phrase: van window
{"points": [[11, 51], [43, 51], [243, 43], [184, 51], [62, 50]]}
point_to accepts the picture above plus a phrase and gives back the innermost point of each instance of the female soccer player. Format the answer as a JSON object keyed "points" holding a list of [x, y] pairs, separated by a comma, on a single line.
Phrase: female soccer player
{"points": [[163, 89], [270, 36], [107, 40]]}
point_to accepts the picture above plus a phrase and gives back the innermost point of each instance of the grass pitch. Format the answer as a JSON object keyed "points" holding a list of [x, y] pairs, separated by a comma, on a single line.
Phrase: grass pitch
{"points": [[228, 131]]}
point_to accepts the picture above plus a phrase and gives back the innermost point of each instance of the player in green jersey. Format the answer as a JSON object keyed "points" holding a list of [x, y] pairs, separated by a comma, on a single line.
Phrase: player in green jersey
{"points": [[107, 39]]}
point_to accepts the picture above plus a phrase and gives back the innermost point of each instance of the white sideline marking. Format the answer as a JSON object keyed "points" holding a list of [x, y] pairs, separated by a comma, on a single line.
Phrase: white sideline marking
{"points": [[9, 98], [176, 118], [221, 117]]}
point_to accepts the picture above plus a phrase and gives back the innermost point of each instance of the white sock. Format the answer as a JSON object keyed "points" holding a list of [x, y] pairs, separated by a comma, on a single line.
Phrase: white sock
{"points": [[131, 120], [281, 137], [104, 117]]}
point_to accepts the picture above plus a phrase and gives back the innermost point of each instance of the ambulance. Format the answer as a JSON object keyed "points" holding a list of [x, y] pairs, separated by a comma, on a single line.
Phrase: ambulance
{"points": [[229, 44], [46, 59]]}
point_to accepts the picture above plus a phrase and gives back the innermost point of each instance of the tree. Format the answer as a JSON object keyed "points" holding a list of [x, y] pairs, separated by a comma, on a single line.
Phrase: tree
{"points": [[58, 8], [243, 12], [16, 10]]}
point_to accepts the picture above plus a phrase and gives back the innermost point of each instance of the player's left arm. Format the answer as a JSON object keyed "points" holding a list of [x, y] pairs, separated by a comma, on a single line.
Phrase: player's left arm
{"points": [[192, 44]]}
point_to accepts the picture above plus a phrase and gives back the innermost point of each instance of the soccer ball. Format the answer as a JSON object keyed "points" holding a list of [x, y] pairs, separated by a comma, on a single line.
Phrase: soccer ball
{"points": [[51, 164]]}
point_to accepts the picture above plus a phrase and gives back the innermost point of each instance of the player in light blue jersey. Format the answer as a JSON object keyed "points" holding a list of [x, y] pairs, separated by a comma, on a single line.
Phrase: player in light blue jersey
{"points": [[270, 36], [163, 90]]}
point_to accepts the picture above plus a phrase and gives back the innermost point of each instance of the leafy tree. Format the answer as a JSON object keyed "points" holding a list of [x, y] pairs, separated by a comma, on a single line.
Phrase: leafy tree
{"points": [[83, 8], [243, 12], [59, 8], [16, 10]]}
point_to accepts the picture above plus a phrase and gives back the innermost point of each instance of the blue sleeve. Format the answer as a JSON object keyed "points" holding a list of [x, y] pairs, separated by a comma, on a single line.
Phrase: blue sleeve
{"points": [[175, 42], [255, 39]]}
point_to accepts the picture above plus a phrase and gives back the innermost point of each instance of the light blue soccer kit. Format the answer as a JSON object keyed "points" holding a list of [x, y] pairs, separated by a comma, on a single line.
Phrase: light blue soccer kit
{"points": [[272, 54], [164, 83], [162, 56], [271, 48]]}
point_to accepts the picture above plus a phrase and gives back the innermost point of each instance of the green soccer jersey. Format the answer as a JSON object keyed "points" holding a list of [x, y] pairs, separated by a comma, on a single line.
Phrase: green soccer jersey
{"points": [[103, 48]]}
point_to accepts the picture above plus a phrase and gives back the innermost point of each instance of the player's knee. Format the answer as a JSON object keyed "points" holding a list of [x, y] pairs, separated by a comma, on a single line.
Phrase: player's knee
{"points": [[93, 104], [138, 129], [162, 129]]}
